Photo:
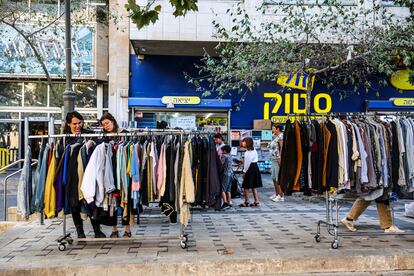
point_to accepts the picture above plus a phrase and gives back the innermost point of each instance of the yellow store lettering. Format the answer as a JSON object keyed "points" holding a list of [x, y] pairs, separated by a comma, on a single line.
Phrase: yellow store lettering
{"points": [[295, 103]]}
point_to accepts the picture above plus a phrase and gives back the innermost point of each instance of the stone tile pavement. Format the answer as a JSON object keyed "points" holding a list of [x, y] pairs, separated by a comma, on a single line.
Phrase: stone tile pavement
{"points": [[270, 239]]}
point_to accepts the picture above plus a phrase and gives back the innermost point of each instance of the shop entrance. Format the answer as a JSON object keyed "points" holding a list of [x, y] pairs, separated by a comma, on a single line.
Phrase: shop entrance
{"points": [[214, 121], [13, 137], [10, 141]]}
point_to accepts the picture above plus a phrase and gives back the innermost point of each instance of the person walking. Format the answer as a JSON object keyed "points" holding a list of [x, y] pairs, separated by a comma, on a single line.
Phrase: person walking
{"points": [[384, 214], [251, 173], [276, 148], [74, 125], [110, 125]]}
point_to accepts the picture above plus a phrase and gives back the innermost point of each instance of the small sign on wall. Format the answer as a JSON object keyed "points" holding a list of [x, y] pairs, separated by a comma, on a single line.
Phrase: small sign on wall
{"points": [[184, 122]]}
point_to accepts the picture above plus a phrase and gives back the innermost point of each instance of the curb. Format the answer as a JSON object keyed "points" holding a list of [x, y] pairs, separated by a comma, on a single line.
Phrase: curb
{"points": [[231, 267]]}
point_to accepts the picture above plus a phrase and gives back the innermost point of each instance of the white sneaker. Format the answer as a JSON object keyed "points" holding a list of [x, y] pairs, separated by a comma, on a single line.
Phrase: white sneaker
{"points": [[273, 196], [349, 224], [278, 198], [393, 229]]}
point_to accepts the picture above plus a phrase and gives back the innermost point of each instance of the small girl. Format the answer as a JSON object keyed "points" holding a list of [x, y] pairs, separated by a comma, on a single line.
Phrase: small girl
{"points": [[251, 173], [227, 176]]}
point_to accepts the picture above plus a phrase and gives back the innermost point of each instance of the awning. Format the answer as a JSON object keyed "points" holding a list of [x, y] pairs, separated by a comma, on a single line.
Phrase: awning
{"points": [[388, 106], [156, 102]]}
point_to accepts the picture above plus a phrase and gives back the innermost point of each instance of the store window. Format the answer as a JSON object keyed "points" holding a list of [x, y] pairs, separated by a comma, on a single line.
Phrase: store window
{"points": [[35, 94], [10, 94], [9, 115], [85, 95], [56, 97], [206, 121]]}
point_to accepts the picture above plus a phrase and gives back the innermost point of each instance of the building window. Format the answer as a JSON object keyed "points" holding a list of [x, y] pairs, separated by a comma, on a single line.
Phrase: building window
{"points": [[10, 94], [9, 115], [105, 96], [35, 94], [389, 3], [85, 95], [56, 98]]}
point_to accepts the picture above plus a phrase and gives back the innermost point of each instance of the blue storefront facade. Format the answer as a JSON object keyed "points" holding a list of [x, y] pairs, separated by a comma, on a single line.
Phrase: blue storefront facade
{"points": [[156, 77]]}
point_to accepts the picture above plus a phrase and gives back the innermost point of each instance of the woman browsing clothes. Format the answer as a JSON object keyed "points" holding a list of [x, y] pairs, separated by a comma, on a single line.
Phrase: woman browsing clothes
{"points": [[74, 125], [110, 125]]}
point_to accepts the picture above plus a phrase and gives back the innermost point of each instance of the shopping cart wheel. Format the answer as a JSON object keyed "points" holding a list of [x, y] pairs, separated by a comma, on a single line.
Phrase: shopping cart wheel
{"points": [[183, 244], [62, 247], [335, 245], [185, 238], [317, 238]]}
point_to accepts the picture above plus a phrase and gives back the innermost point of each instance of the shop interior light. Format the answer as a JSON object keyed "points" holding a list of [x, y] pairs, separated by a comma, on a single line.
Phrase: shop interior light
{"points": [[175, 115], [208, 115]]}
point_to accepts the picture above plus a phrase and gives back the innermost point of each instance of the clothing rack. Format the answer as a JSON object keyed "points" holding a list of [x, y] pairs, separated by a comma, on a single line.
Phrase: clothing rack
{"points": [[334, 202], [333, 205], [66, 238]]}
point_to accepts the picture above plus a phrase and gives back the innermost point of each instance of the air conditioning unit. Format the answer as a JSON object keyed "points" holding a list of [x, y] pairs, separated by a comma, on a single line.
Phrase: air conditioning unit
{"points": [[123, 92]]}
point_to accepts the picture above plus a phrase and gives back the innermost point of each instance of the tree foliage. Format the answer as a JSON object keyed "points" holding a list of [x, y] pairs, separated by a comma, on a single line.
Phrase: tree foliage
{"points": [[352, 45], [143, 16]]}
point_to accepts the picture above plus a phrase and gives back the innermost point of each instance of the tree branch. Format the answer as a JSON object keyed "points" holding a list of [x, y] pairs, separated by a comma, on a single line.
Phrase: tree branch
{"points": [[48, 25], [38, 56]]}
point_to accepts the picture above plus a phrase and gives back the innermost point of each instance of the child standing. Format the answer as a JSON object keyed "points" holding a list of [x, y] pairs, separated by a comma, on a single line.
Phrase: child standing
{"points": [[227, 162], [251, 173]]}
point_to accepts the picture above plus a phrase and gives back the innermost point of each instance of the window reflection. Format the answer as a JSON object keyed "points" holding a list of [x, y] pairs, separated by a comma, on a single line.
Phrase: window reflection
{"points": [[56, 97], [35, 94], [85, 95], [10, 94]]}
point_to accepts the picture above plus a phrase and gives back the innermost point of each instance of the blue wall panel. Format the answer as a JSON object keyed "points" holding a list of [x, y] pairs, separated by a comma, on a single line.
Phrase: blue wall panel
{"points": [[158, 76]]}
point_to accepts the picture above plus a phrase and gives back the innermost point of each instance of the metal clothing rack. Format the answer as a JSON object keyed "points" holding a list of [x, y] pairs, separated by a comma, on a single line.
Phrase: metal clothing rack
{"points": [[66, 238], [333, 204]]}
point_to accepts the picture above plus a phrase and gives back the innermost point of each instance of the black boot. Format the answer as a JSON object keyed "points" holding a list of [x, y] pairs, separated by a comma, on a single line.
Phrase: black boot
{"points": [[97, 229], [78, 224], [81, 233]]}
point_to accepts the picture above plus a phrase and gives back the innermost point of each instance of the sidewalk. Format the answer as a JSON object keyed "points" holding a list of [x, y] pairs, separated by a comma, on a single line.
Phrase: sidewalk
{"points": [[273, 239]]}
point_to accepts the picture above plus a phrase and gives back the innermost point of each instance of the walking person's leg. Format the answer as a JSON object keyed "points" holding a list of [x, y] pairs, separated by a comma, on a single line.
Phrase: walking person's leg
{"points": [[357, 209], [385, 218]]}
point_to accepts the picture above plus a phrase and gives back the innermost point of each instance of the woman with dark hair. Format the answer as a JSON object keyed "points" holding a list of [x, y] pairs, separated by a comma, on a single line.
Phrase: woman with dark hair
{"points": [[74, 125], [251, 173], [110, 125]]}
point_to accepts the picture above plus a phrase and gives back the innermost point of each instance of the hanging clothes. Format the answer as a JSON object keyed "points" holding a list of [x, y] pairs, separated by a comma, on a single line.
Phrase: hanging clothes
{"points": [[24, 188]]}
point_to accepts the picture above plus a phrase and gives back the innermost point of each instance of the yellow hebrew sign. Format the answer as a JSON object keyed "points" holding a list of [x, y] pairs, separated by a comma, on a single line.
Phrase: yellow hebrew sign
{"points": [[180, 100], [403, 101]]}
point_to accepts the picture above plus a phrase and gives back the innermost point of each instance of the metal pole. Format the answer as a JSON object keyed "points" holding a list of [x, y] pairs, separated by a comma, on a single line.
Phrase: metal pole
{"points": [[68, 95], [26, 134]]}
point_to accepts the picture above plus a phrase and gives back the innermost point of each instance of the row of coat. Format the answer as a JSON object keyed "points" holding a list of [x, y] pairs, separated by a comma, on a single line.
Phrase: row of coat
{"points": [[361, 155], [171, 170]]}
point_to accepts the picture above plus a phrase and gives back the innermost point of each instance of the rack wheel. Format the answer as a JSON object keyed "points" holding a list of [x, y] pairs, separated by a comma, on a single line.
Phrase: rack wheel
{"points": [[183, 244], [62, 247], [185, 238], [335, 245], [317, 238], [69, 240]]}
